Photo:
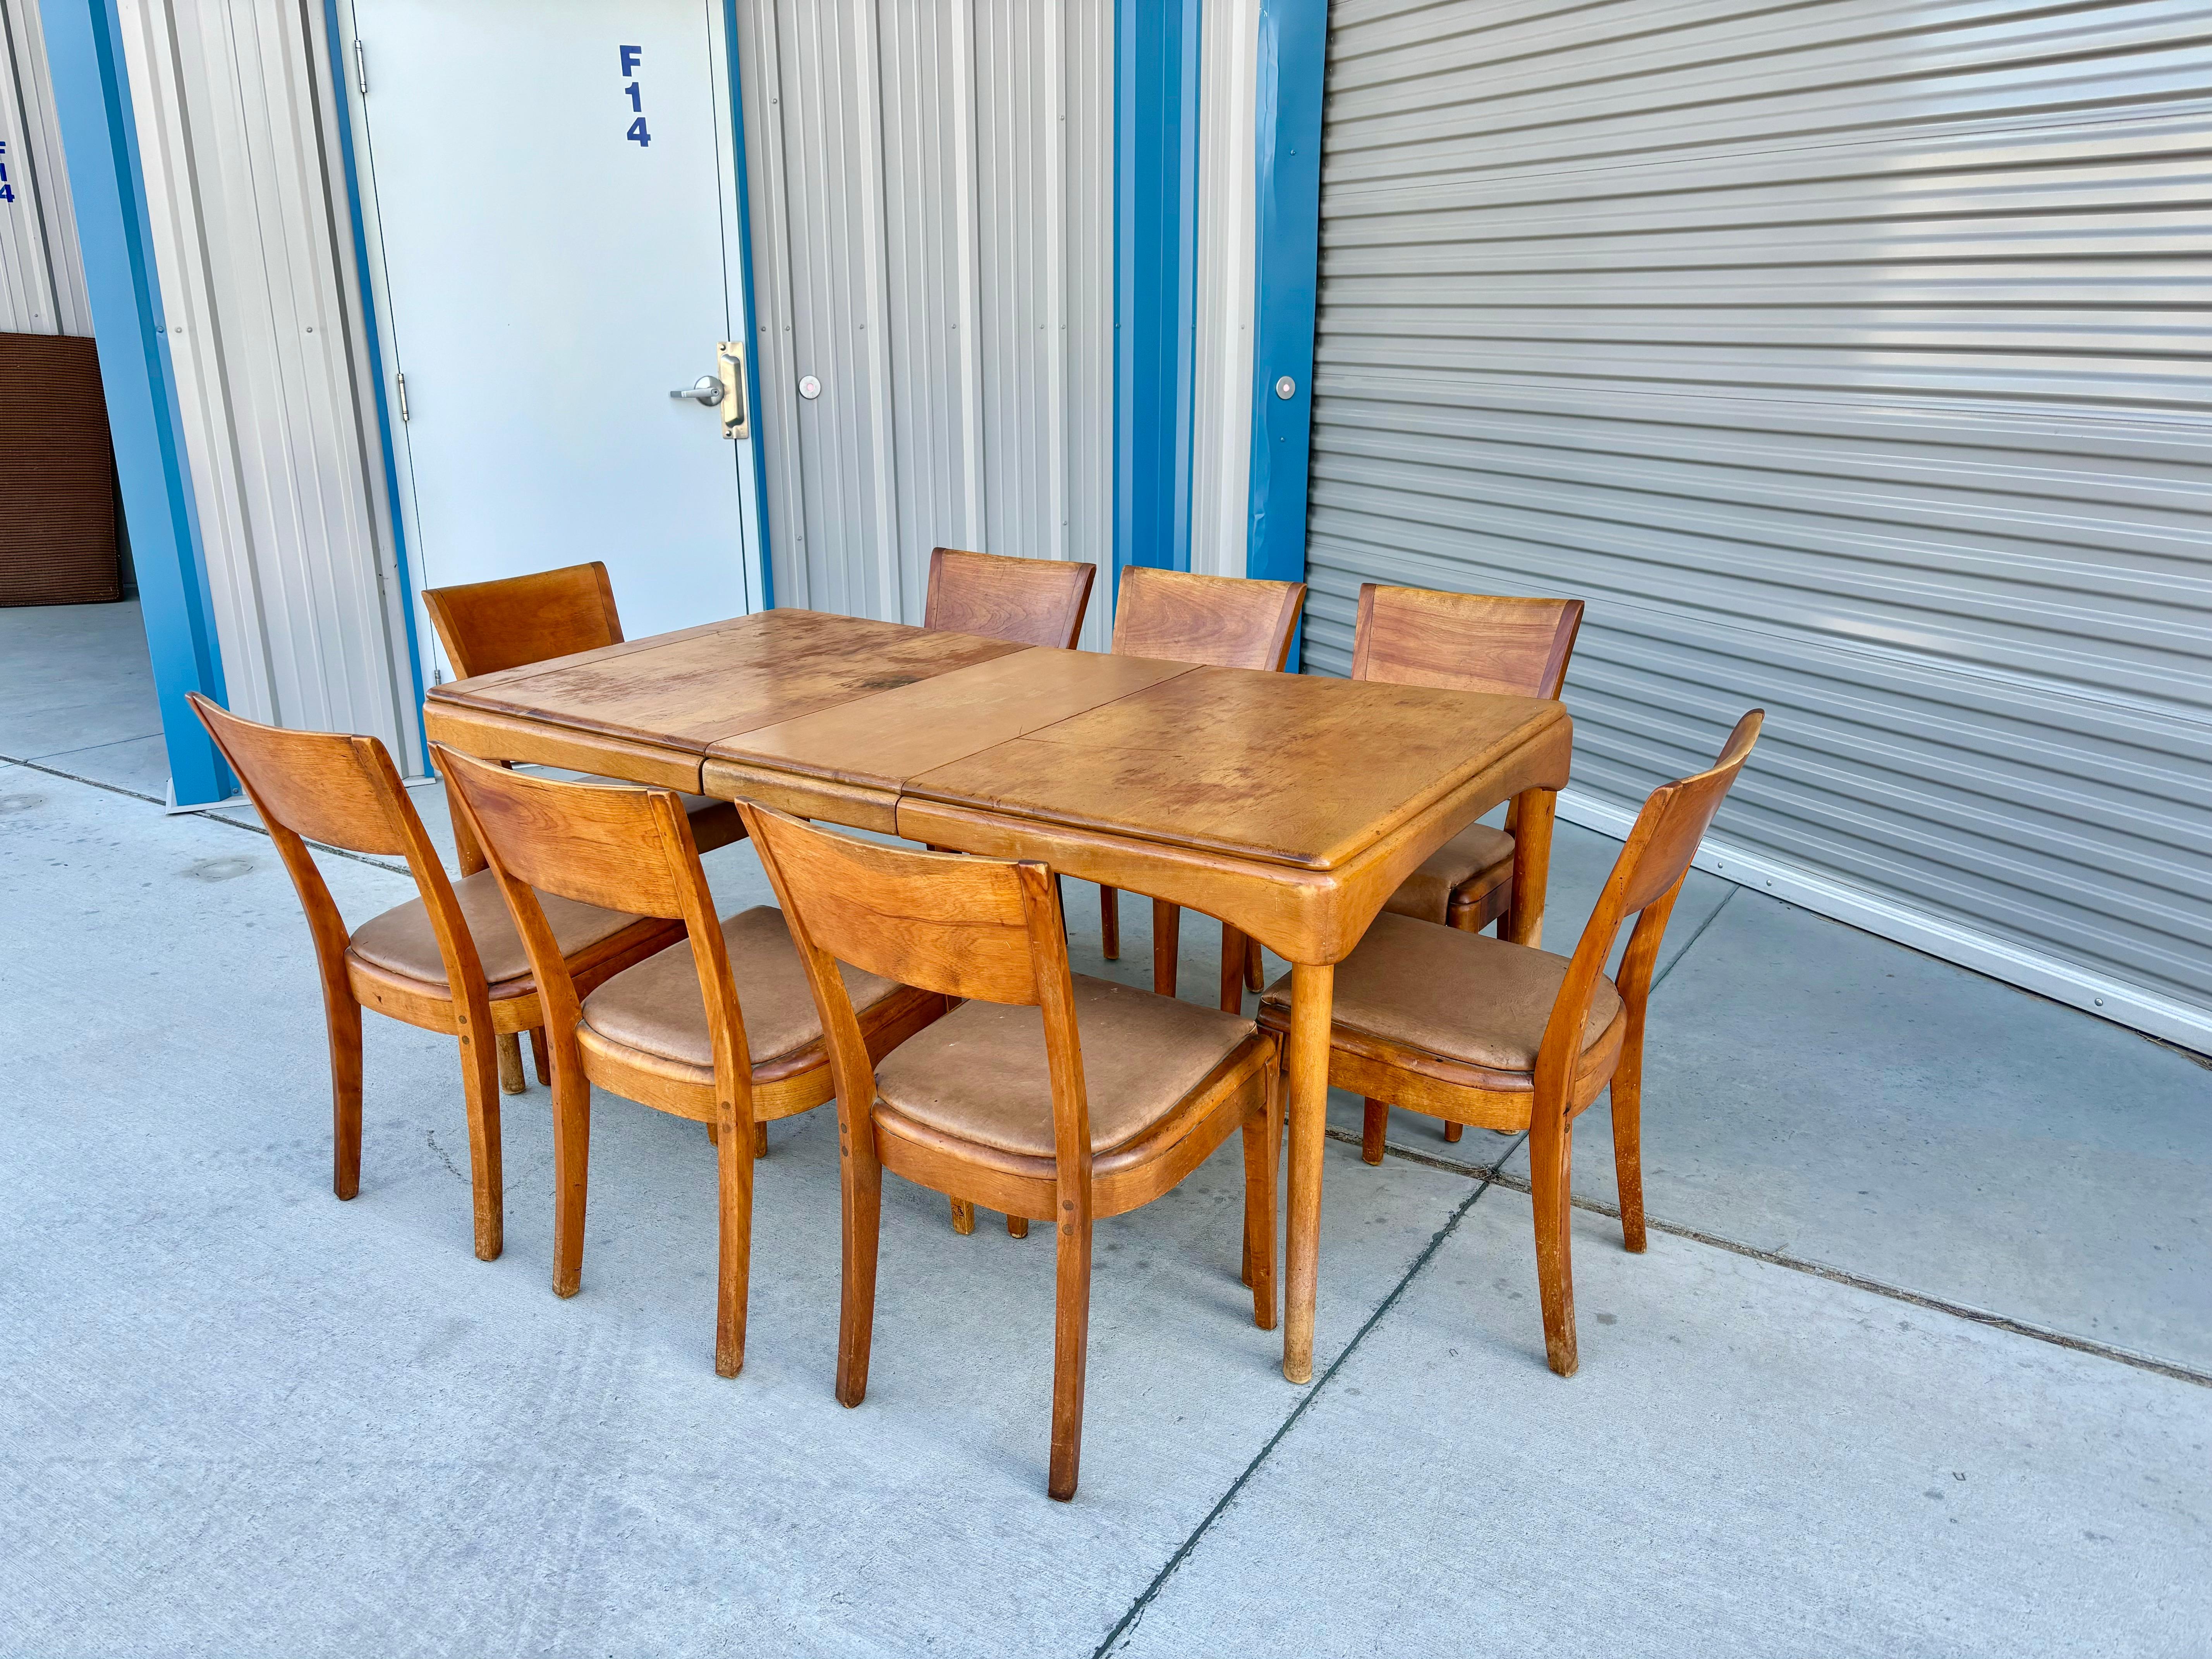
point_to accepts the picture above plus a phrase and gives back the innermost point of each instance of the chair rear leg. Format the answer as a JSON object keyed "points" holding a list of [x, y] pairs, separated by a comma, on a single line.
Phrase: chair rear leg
{"points": [[1628, 1151], [1167, 943], [1232, 971], [1070, 1348], [487, 1185], [343, 1021], [1109, 922], [1454, 1131], [1255, 970], [572, 1157], [509, 1044], [963, 1216], [1261, 1183], [862, 1178], [733, 1148], [760, 1138], [540, 1060], [1550, 1159], [1374, 1125], [1017, 1226]]}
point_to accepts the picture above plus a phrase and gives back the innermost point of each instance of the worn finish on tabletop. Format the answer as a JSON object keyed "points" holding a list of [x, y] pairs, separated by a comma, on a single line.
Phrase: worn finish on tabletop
{"points": [[1257, 799]]}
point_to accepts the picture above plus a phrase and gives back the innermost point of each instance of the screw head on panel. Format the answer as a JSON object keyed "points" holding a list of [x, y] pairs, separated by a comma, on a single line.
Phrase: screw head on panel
{"points": [[1286, 388]]}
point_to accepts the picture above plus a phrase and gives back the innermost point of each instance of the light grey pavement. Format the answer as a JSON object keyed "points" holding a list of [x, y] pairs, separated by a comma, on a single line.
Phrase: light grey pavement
{"points": [[77, 694], [240, 1418]]}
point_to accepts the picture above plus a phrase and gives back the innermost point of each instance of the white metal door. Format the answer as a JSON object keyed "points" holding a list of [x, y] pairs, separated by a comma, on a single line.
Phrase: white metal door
{"points": [[552, 190]]}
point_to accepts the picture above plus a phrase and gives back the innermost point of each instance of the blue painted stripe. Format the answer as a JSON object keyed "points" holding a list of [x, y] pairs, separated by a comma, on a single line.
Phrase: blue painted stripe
{"points": [[752, 310], [92, 99], [1156, 134], [344, 84], [1292, 64]]}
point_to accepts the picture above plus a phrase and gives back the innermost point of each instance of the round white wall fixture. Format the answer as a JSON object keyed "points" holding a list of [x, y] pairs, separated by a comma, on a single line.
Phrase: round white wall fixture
{"points": [[809, 387], [1286, 388]]}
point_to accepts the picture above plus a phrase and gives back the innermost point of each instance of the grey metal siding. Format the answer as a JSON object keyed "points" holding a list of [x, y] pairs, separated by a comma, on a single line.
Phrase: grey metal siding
{"points": [[931, 190], [1848, 358], [41, 272]]}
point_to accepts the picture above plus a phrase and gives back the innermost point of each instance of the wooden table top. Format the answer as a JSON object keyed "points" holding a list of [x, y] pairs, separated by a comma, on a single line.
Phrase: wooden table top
{"points": [[842, 718]]}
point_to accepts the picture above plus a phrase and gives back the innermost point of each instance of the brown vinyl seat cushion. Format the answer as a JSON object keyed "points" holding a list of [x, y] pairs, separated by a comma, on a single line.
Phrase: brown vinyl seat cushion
{"points": [[400, 940], [1462, 996], [1477, 852], [656, 1006], [980, 1073]]}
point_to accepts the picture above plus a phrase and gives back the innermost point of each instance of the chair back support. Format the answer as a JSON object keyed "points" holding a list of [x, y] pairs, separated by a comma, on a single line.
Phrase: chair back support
{"points": [[1464, 641], [938, 922], [976, 928], [621, 848], [487, 626], [1028, 601], [1646, 878], [343, 791], [1221, 621], [591, 842], [340, 790]]}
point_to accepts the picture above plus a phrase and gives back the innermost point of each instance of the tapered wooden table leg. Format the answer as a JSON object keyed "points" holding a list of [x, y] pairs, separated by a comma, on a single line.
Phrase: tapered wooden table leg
{"points": [[1312, 990], [1532, 863]]}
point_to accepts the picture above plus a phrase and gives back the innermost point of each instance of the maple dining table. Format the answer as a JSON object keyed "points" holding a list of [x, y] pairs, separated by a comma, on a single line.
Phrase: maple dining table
{"points": [[1287, 806]]}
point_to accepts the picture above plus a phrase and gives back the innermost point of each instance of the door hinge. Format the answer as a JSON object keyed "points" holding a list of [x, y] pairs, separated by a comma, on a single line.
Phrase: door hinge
{"points": [[360, 67], [402, 379]]}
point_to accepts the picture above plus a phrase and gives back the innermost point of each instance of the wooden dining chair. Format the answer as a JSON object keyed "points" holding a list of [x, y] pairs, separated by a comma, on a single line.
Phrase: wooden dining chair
{"points": [[1028, 601], [489, 627], [1464, 642], [670, 1032], [1046, 1094], [1225, 623], [1508, 1037], [448, 960]]}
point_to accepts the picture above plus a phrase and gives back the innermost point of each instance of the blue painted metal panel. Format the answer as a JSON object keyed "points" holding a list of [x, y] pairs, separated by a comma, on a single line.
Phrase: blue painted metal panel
{"points": [[1292, 62], [1156, 82], [342, 85], [92, 98], [752, 309]]}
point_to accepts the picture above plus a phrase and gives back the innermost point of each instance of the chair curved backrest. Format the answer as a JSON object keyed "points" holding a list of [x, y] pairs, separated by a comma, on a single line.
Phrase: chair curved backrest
{"points": [[1646, 879], [486, 627], [988, 929], [1464, 641], [621, 848], [342, 790], [1028, 601], [1223, 621]]}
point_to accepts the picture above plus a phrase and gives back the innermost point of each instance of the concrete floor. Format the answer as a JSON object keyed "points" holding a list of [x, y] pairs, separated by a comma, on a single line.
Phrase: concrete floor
{"points": [[1919, 1361]]}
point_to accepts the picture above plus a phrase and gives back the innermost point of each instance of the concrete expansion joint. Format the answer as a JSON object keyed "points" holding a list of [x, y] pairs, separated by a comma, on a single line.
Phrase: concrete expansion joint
{"points": [[1125, 1627], [1497, 1175]]}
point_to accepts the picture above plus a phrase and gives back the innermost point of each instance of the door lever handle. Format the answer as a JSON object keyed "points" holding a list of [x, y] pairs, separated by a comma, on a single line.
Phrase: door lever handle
{"points": [[706, 391]]}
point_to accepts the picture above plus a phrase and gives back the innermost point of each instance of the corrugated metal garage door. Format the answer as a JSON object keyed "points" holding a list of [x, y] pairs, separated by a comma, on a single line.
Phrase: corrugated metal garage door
{"points": [[1849, 359], [932, 193]]}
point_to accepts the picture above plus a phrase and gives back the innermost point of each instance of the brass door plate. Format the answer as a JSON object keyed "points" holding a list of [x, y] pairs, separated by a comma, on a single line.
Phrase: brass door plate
{"points": [[737, 405]]}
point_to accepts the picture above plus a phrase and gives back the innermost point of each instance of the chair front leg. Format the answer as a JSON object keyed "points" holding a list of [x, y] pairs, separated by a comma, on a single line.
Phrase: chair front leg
{"points": [[1550, 1159], [1232, 971], [509, 1045], [1109, 923], [540, 1060], [963, 1216], [733, 1148]]}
